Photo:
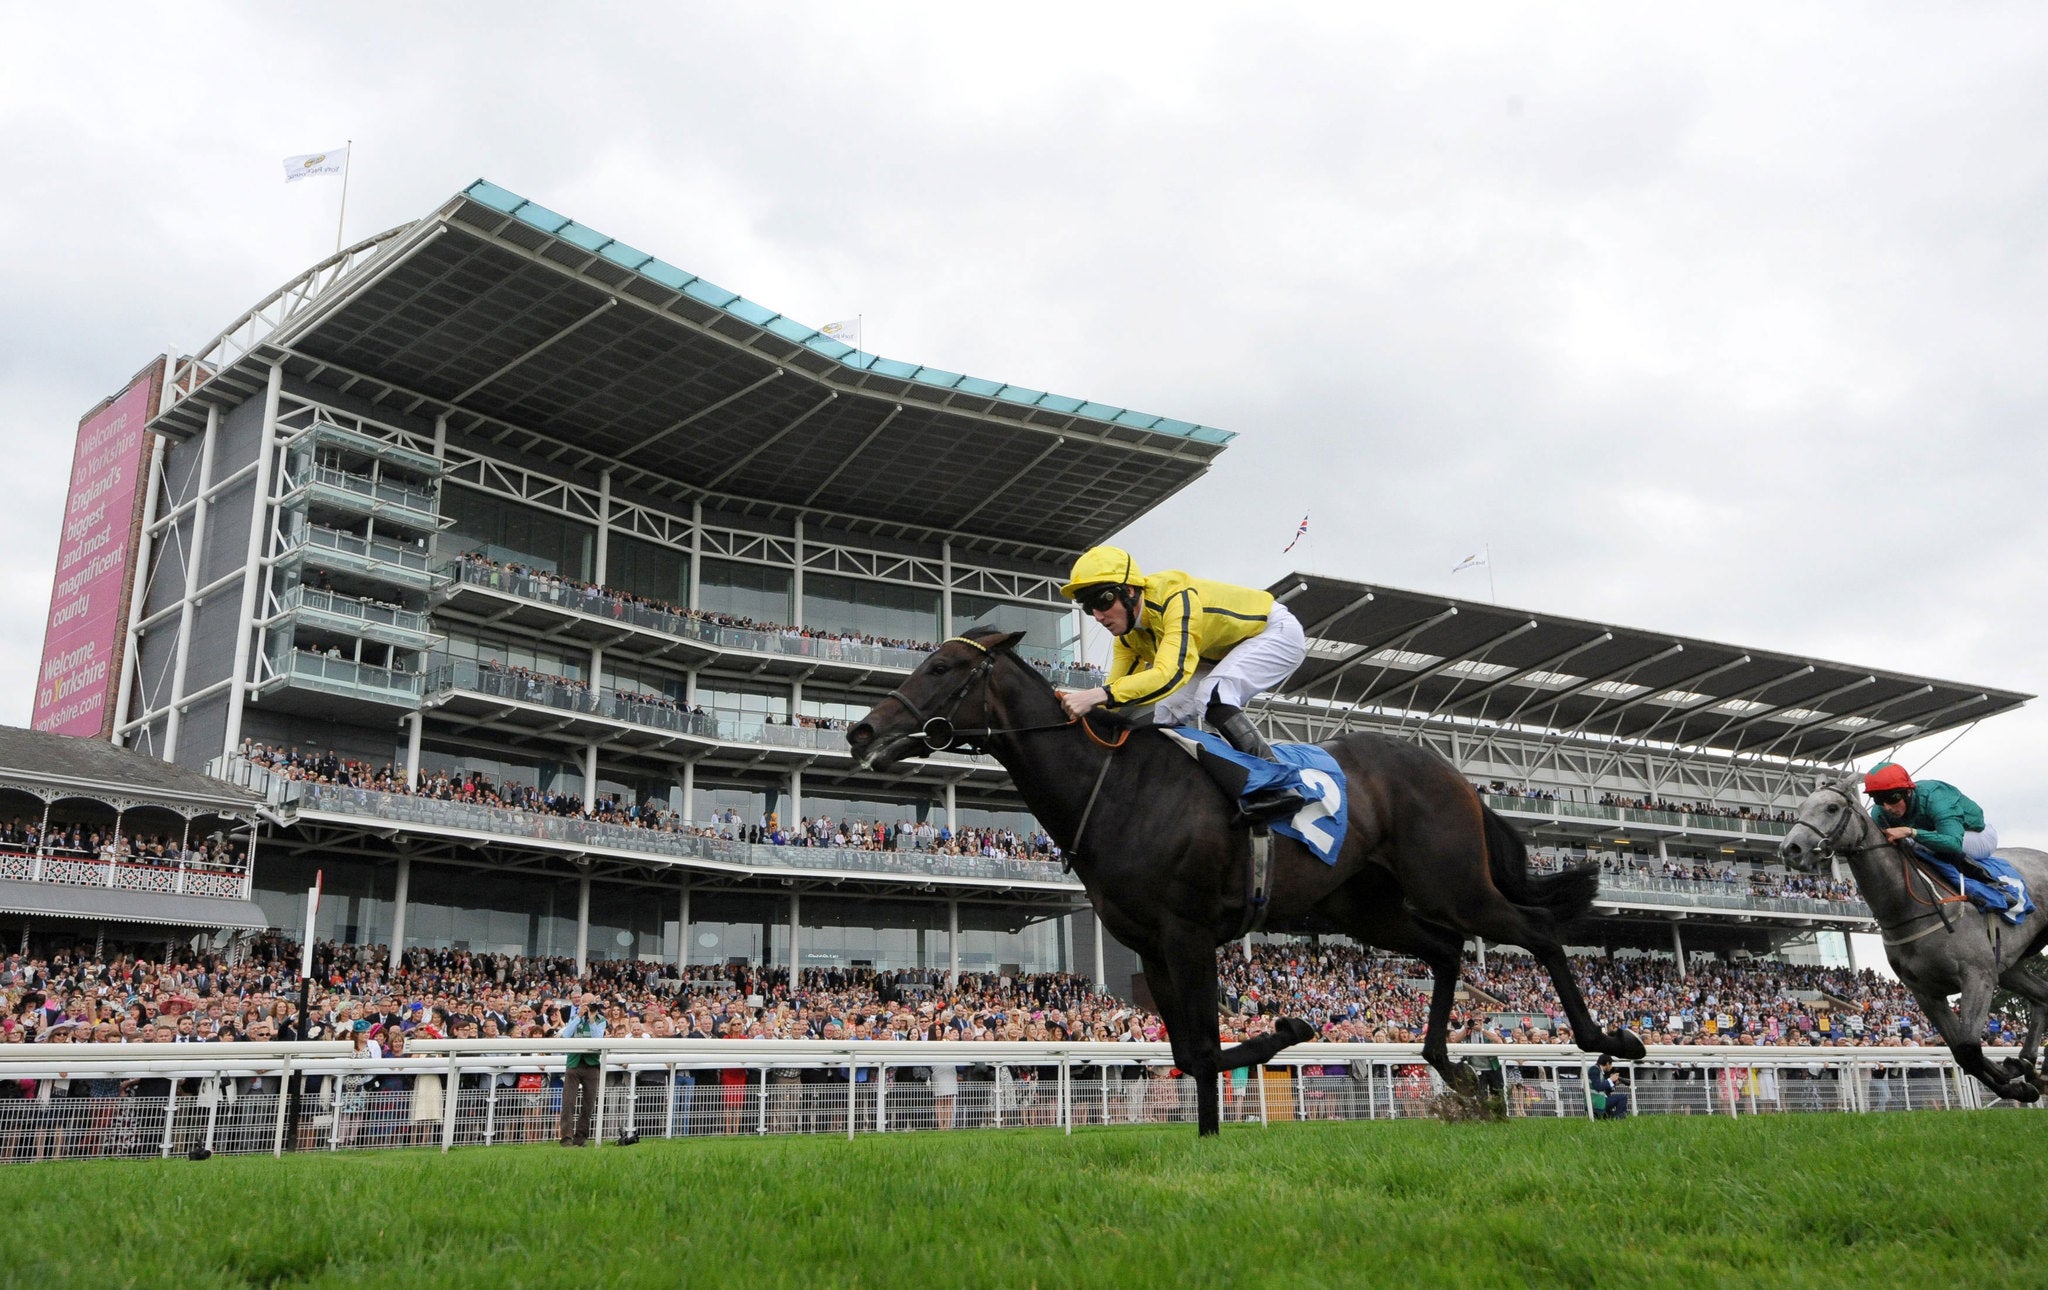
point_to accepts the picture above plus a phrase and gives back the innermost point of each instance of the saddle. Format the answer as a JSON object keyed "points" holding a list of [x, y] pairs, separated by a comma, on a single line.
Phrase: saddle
{"points": [[2002, 892]]}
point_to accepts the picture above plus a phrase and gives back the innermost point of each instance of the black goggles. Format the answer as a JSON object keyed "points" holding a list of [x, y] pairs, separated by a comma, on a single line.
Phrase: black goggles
{"points": [[1891, 796], [1098, 598]]}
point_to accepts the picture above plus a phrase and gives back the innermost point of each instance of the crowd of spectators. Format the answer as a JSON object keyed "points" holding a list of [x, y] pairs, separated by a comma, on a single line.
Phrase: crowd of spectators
{"points": [[1501, 788], [477, 789], [77, 841], [1347, 993]]}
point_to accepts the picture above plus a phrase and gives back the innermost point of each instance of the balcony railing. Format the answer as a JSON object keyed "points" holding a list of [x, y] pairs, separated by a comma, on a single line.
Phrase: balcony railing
{"points": [[406, 564], [505, 822], [166, 877], [419, 505], [1693, 893], [445, 675], [345, 676], [1561, 809], [547, 590], [358, 615]]}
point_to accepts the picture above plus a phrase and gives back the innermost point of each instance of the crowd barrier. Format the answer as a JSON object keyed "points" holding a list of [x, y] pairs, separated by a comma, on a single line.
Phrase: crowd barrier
{"points": [[143, 1100]]}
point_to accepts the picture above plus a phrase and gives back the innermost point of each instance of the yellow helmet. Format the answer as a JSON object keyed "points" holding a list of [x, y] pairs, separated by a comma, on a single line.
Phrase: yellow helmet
{"points": [[1103, 564]]}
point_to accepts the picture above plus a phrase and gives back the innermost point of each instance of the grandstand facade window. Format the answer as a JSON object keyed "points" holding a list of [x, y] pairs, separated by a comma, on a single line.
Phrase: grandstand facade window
{"points": [[510, 533], [507, 652], [759, 592], [861, 607], [745, 700], [642, 568], [1049, 633]]}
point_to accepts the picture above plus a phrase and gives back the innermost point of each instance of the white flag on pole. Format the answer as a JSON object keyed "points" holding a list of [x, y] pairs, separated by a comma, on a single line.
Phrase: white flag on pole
{"points": [[846, 331], [1469, 562], [316, 163]]}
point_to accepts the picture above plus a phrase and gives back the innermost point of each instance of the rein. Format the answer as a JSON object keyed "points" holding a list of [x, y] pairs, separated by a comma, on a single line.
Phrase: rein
{"points": [[1831, 845], [939, 733]]}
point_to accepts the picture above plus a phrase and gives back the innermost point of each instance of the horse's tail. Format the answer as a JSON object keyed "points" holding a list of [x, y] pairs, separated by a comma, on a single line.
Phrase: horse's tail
{"points": [[1567, 896]]}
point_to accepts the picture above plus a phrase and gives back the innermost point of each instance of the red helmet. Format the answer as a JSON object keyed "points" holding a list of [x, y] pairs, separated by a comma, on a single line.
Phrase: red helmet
{"points": [[1884, 778]]}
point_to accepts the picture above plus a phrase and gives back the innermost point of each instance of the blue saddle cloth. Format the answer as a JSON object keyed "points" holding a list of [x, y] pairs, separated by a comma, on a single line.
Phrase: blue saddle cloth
{"points": [[1306, 768], [2007, 897]]}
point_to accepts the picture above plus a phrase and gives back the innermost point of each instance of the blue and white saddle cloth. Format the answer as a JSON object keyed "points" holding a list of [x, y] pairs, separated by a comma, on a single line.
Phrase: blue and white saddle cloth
{"points": [[2007, 897], [1306, 768]]}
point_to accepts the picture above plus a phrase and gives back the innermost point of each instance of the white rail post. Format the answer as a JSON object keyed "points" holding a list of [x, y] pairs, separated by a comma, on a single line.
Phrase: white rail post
{"points": [[491, 1108], [448, 1104], [1265, 1115], [852, 1072], [170, 1118], [597, 1112], [284, 1085]]}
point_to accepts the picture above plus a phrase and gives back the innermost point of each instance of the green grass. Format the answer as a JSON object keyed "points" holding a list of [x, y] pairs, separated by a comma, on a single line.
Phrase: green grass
{"points": [[1932, 1198]]}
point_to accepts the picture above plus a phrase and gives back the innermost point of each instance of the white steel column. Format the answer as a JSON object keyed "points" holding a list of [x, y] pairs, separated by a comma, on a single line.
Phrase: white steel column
{"points": [[796, 798], [945, 590], [796, 586], [696, 559], [604, 526], [796, 958], [690, 792], [195, 554], [398, 904], [413, 722], [952, 814], [583, 921], [953, 944], [138, 586], [683, 930], [254, 573], [1101, 972], [1678, 949], [1479, 942], [590, 777]]}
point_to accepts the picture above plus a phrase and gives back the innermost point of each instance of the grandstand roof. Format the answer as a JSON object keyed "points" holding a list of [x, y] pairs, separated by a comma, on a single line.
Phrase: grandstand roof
{"points": [[521, 324], [1377, 646]]}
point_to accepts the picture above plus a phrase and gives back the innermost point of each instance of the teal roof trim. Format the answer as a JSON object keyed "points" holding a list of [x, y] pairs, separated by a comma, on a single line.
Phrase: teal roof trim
{"points": [[667, 275]]}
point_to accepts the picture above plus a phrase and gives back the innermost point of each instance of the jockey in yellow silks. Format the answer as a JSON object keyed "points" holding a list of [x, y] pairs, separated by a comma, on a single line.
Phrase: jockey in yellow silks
{"points": [[1187, 648]]}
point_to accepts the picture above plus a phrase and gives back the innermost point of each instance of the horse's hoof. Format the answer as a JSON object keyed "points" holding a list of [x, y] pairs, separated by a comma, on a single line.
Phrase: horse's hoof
{"points": [[2024, 1093], [1626, 1046], [1294, 1030]]}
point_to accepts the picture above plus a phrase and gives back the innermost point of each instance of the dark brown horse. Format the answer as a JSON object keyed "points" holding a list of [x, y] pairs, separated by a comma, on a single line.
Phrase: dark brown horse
{"points": [[1424, 863]]}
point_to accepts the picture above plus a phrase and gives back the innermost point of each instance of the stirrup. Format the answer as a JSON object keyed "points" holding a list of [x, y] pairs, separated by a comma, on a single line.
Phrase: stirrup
{"points": [[1268, 806]]}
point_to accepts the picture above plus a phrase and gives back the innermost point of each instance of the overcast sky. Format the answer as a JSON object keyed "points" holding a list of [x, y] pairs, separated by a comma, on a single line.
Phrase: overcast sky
{"points": [[1731, 328]]}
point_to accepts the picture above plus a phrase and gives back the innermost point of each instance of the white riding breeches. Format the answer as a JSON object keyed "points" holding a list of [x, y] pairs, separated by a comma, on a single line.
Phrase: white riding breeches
{"points": [[1980, 845], [1254, 666]]}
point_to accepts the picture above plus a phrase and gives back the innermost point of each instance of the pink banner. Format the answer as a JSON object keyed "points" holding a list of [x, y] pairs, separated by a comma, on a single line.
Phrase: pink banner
{"points": [[83, 639]]}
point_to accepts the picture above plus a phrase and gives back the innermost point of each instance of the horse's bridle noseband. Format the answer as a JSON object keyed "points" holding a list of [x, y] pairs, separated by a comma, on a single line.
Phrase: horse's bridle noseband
{"points": [[1831, 841], [937, 731]]}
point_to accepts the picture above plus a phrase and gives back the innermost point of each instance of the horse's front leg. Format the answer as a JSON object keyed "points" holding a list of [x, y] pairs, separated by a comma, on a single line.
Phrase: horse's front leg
{"points": [[1190, 966], [1436, 1049], [1962, 1029]]}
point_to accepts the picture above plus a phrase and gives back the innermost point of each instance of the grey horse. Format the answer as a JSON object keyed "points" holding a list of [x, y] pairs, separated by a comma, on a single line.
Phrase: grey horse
{"points": [[1938, 950]]}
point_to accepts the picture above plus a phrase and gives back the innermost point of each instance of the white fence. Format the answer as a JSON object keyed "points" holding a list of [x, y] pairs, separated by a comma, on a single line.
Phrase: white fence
{"points": [[93, 1101]]}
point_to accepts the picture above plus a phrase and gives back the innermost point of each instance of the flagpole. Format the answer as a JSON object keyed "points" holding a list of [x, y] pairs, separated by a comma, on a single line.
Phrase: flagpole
{"points": [[348, 153], [1491, 594]]}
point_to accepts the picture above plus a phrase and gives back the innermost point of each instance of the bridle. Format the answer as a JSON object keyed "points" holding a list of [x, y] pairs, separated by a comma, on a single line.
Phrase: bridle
{"points": [[937, 731], [1831, 841], [1831, 846]]}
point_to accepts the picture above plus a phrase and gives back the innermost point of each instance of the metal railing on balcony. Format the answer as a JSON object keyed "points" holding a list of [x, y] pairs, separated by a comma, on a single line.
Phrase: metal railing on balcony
{"points": [[344, 676], [420, 505], [405, 563], [1733, 894], [637, 707], [1564, 809], [356, 613], [546, 589], [508, 823]]}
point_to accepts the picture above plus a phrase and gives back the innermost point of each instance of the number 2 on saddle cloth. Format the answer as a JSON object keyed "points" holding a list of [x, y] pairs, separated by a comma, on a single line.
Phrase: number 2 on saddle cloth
{"points": [[1319, 824]]}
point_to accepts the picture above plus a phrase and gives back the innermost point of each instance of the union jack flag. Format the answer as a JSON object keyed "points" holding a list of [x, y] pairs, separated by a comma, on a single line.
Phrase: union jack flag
{"points": [[1297, 536]]}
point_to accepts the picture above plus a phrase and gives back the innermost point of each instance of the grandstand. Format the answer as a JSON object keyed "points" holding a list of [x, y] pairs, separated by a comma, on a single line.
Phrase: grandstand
{"points": [[598, 559]]}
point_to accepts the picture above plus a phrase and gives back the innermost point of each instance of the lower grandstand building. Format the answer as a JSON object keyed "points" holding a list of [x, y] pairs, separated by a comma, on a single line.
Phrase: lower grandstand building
{"points": [[484, 545]]}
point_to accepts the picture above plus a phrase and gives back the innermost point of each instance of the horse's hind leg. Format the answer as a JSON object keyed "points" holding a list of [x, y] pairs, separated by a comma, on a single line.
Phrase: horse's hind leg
{"points": [[1436, 1049], [2035, 992]]}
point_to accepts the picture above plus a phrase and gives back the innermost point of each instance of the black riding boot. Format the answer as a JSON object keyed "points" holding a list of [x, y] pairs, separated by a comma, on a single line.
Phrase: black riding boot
{"points": [[1267, 804]]}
